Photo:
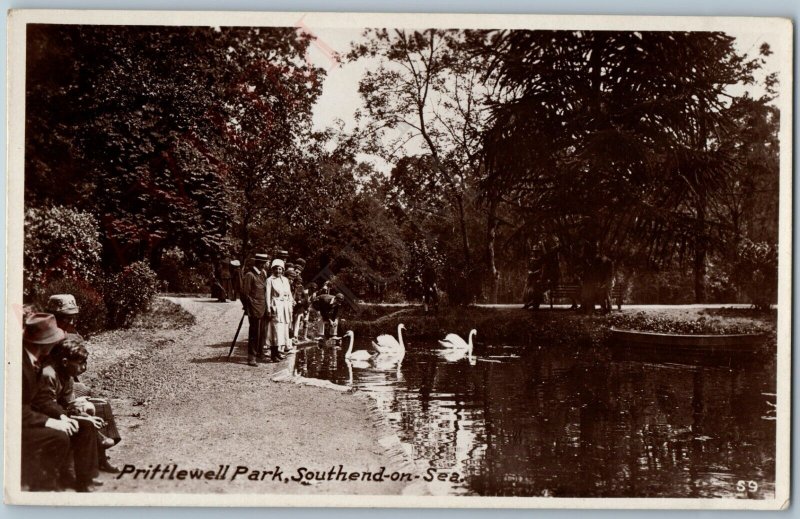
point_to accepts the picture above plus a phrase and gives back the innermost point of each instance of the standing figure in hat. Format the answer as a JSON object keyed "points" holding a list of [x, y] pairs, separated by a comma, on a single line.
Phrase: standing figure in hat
{"points": [[236, 279], [66, 311], [254, 303], [45, 440], [225, 279], [279, 305]]}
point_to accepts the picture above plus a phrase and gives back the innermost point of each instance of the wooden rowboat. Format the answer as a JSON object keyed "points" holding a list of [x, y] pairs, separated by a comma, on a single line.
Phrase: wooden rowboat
{"points": [[733, 344]]}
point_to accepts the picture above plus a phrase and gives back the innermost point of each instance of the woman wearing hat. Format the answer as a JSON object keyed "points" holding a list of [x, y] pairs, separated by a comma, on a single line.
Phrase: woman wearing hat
{"points": [[279, 306]]}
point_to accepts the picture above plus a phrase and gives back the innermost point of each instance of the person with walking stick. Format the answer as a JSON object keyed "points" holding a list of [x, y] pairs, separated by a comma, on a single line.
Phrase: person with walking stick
{"points": [[254, 302]]}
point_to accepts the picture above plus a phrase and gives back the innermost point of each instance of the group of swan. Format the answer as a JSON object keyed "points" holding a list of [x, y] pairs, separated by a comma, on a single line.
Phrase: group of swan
{"points": [[453, 346], [385, 345]]}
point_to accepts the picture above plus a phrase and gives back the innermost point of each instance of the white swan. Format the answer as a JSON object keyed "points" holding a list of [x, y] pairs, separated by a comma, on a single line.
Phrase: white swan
{"points": [[455, 342], [358, 354], [454, 348], [388, 344]]}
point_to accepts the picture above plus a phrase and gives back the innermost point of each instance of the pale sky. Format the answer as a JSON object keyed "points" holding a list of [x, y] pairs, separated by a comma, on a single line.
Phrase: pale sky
{"points": [[340, 98]]}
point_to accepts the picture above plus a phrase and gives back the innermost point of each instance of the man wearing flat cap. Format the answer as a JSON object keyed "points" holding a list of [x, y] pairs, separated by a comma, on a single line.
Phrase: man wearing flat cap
{"points": [[255, 305]]}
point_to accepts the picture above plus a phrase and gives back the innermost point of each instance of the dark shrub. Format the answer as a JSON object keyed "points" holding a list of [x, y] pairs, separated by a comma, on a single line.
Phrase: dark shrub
{"points": [[179, 276], [59, 243], [130, 292], [756, 272]]}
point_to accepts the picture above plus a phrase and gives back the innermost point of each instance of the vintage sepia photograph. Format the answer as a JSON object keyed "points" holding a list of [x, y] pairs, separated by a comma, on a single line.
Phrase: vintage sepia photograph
{"points": [[318, 259]]}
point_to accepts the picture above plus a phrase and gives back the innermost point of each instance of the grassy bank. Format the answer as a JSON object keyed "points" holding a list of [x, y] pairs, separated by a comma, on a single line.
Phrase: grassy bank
{"points": [[556, 326]]}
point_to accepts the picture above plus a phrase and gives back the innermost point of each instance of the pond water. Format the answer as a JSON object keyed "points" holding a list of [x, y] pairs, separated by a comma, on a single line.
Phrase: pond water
{"points": [[578, 422]]}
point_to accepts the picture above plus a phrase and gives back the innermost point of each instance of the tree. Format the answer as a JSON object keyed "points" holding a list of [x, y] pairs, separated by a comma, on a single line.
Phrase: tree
{"points": [[425, 93], [163, 132], [612, 138]]}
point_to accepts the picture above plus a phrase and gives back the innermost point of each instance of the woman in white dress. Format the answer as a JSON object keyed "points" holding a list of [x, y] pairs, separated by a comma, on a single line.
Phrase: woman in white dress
{"points": [[279, 306]]}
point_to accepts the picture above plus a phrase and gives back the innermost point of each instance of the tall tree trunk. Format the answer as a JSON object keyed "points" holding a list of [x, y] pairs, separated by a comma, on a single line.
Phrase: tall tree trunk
{"points": [[245, 235], [700, 253], [493, 224]]}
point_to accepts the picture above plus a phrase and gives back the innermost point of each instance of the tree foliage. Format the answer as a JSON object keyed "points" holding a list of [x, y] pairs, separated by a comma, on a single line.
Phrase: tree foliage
{"points": [[613, 138], [60, 243]]}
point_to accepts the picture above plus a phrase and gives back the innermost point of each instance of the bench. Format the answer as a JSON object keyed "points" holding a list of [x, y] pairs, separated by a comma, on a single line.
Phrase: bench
{"points": [[572, 291]]}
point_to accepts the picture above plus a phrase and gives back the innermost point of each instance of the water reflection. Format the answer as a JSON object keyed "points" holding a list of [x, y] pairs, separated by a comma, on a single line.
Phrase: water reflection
{"points": [[572, 423]]}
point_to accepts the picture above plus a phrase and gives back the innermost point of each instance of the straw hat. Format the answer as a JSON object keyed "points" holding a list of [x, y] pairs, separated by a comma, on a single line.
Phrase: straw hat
{"points": [[262, 257]]}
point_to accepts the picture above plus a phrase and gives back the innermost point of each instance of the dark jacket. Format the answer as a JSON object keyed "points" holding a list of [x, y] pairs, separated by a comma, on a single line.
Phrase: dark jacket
{"points": [[254, 294], [56, 395], [30, 385]]}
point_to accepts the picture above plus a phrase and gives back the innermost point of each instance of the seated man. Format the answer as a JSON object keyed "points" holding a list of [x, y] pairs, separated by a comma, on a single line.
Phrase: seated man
{"points": [[45, 440], [66, 311], [56, 397]]}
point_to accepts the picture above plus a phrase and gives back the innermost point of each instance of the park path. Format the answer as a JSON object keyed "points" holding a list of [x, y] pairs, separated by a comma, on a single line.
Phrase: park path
{"points": [[196, 409]]}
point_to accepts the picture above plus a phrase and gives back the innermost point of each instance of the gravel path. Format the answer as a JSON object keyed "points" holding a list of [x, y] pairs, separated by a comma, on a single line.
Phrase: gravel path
{"points": [[179, 401]]}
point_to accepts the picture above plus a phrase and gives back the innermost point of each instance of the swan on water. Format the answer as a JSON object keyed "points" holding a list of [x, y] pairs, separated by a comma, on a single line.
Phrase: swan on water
{"points": [[358, 354], [454, 348], [388, 344], [455, 342]]}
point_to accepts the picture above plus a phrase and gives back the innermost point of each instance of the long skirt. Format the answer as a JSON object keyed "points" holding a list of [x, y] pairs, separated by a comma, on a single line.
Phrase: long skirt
{"points": [[280, 324]]}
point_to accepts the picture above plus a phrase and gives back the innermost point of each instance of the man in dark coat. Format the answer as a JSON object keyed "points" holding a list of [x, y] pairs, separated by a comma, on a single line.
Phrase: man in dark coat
{"points": [[255, 305], [45, 440]]}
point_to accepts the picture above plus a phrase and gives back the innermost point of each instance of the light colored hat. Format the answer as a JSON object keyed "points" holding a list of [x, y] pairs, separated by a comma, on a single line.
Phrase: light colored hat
{"points": [[62, 304], [262, 257], [235, 263], [277, 263], [42, 329]]}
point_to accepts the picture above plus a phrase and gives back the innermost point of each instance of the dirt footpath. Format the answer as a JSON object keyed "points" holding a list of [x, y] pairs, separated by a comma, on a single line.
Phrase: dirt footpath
{"points": [[183, 406]]}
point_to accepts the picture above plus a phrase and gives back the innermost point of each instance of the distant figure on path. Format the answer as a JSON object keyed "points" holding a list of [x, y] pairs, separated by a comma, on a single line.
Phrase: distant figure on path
{"points": [[430, 292], [225, 279], [597, 284], [236, 279]]}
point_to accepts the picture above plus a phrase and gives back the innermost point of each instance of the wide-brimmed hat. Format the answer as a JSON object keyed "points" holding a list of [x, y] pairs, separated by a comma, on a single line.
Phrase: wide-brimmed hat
{"points": [[42, 329], [277, 262], [262, 257], [62, 304], [235, 263], [282, 254]]}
